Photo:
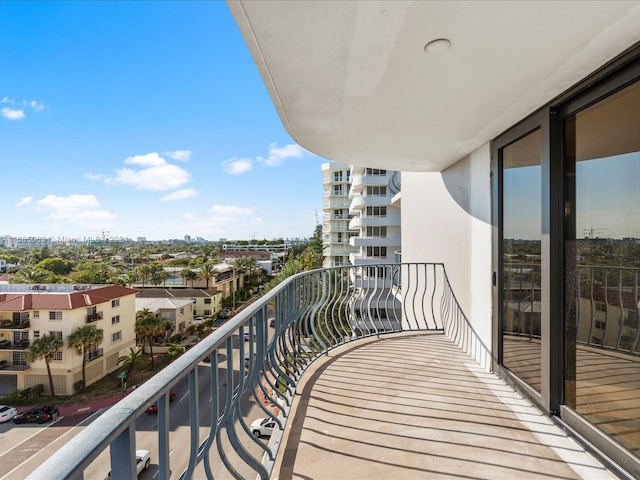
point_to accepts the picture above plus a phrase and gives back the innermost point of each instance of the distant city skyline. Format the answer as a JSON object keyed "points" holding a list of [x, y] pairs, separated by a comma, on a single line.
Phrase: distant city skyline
{"points": [[143, 119]]}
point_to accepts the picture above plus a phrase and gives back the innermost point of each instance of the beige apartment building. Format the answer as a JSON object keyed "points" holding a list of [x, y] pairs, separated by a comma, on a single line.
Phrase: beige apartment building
{"points": [[30, 311]]}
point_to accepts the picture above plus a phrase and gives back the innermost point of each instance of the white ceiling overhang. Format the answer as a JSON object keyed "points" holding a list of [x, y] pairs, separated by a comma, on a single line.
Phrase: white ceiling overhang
{"points": [[351, 80]]}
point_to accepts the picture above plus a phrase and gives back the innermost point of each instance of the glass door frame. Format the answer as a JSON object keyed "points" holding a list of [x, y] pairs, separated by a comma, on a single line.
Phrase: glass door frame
{"points": [[616, 75], [548, 398]]}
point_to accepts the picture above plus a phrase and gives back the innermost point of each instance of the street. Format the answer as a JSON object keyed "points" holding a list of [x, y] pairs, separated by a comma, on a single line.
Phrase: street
{"points": [[24, 447]]}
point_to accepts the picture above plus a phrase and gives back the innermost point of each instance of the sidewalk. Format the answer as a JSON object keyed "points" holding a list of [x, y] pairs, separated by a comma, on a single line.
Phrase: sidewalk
{"points": [[70, 410]]}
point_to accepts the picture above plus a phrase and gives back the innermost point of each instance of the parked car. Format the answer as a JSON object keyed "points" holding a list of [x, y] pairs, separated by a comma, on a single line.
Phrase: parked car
{"points": [[7, 413], [153, 408], [263, 427], [143, 460], [247, 359], [38, 415]]}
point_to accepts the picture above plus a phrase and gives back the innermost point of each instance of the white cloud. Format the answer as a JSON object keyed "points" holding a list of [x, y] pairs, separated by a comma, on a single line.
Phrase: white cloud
{"points": [[94, 176], [148, 160], [82, 209], [6, 100], [257, 221], [230, 210], [13, 113], [180, 195], [155, 175], [37, 106], [180, 155], [277, 156], [237, 166], [24, 201]]}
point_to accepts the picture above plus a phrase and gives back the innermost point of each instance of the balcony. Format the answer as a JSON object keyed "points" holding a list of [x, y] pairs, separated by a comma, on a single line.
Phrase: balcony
{"points": [[389, 383], [93, 317], [8, 324], [15, 345], [92, 355]]}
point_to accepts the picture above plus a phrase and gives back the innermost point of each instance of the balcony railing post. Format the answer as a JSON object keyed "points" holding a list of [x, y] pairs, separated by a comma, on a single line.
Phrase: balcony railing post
{"points": [[122, 454]]}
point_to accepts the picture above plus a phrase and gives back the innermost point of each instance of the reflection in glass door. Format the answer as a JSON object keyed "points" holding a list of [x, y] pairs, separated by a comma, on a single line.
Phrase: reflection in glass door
{"points": [[521, 257], [602, 265]]}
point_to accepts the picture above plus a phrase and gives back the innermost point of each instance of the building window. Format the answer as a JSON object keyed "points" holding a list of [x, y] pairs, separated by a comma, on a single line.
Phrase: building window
{"points": [[373, 272], [36, 314], [376, 191], [375, 172], [338, 190], [115, 303], [377, 232], [376, 211], [207, 313], [57, 357], [378, 252], [182, 311], [56, 334], [115, 319], [207, 301], [337, 176], [36, 334], [18, 358], [116, 336], [55, 316]]}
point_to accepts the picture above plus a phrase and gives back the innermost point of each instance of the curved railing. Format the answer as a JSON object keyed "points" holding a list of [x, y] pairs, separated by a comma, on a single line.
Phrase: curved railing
{"points": [[299, 320], [395, 183]]}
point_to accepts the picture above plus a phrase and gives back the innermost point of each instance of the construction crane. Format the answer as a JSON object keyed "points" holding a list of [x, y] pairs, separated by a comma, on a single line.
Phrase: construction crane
{"points": [[592, 232]]}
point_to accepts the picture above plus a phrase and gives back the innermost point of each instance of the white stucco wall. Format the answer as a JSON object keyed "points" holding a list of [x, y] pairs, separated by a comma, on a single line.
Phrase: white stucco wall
{"points": [[446, 217]]}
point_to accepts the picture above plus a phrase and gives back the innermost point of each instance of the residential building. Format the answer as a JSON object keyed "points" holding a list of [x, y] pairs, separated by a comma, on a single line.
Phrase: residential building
{"points": [[181, 306], [336, 233], [30, 311], [375, 219], [514, 125], [515, 128]]}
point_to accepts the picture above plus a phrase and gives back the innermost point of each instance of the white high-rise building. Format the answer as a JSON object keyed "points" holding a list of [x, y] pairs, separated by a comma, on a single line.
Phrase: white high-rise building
{"points": [[376, 218], [336, 181]]}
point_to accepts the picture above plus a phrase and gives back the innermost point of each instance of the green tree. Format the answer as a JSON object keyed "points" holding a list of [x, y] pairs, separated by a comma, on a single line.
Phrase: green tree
{"points": [[55, 265], [82, 340], [207, 272], [44, 348], [131, 360], [188, 274], [148, 326]]}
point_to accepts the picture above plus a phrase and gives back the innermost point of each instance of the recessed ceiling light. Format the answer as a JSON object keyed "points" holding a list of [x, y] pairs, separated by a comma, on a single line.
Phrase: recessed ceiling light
{"points": [[438, 46]]}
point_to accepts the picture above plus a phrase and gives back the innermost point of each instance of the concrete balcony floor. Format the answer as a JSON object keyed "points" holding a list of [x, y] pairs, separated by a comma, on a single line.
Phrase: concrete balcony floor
{"points": [[417, 407]]}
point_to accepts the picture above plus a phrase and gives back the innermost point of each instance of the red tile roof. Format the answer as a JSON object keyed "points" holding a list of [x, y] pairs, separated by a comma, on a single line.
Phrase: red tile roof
{"points": [[18, 302]]}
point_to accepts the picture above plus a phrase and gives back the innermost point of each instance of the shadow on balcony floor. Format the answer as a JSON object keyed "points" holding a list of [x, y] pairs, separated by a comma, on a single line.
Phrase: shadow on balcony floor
{"points": [[415, 406]]}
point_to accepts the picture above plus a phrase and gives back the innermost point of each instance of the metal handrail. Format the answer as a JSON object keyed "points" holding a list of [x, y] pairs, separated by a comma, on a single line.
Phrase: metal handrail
{"points": [[314, 312]]}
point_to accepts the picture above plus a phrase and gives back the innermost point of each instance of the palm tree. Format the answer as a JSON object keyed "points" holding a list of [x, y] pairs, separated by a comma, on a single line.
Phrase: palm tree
{"points": [[207, 271], [188, 274], [148, 326], [44, 348], [82, 341], [129, 361]]}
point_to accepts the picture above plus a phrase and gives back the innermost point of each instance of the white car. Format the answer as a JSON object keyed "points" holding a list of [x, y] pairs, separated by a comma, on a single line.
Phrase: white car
{"points": [[143, 460], [7, 413], [247, 359], [262, 427]]}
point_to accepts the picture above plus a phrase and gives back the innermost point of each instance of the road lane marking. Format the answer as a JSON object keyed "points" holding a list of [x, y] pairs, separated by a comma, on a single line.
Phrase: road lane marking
{"points": [[42, 430]]}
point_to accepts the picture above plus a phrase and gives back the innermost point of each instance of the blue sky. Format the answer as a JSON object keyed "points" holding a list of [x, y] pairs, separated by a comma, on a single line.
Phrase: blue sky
{"points": [[143, 119]]}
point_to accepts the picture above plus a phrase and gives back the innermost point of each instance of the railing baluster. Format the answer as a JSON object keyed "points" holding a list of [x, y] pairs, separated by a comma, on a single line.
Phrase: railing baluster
{"points": [[315, 312]]}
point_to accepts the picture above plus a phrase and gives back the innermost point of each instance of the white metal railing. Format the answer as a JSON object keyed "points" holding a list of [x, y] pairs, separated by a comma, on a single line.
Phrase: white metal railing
{"points": [[286, 330]]}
